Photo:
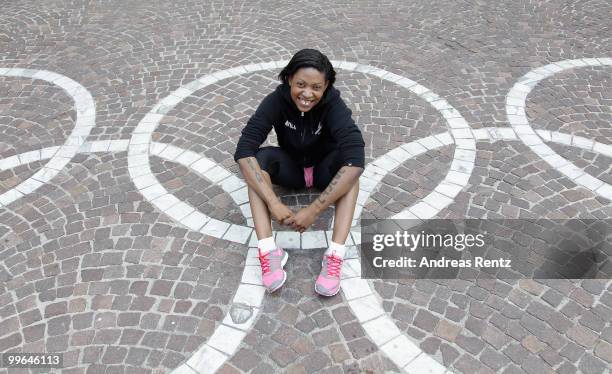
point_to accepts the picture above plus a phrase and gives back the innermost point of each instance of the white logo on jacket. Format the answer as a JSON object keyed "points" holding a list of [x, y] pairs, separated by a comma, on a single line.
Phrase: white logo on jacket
{"points": [[290, 125], [319, 127]]}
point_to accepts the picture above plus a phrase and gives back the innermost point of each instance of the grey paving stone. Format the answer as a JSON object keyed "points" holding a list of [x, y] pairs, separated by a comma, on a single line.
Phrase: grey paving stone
{"points": [[425, 320], [582, 336], [493, 359], [603, 350], [454, 314], [470, 344], [339, 353], [352, 331], [93, 221], [325, 337], [475, 325], [403, 312], [592, 365], [245, 360], [468, 364], [567, 368], [430, 345], [592, 321], [11, 341], [449, 354], [551, 357], [572, 351], [342, 314], [315, 361], [114, 355], [361, 347], [306, 324], [322, 318], [534, 365]]}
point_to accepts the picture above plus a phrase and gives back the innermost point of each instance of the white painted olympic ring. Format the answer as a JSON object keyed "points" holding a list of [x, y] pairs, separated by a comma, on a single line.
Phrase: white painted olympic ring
{"points": [[59, 156], [227, 337], [140, 148], [515, 111], [250, 293]]}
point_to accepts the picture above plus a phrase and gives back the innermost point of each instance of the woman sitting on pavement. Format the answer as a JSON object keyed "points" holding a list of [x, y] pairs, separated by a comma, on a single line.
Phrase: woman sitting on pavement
{"points": [[320, 145]]}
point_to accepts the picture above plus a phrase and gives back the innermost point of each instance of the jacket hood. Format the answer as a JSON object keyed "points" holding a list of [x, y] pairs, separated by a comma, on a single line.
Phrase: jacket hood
{"points": [[330, 94]]}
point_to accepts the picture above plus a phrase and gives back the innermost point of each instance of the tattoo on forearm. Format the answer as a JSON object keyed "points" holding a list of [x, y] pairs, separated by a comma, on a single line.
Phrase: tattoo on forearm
{"points": [[330, 188], [251, 163], [257, 173]]}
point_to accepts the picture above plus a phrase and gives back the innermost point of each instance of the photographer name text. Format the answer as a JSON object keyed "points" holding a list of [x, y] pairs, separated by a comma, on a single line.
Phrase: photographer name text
{"points": [[407, 262]]}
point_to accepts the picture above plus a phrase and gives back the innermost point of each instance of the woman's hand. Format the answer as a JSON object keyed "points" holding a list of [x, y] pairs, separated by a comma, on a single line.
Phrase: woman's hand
{"points": [[281, 213], [303, 219]]}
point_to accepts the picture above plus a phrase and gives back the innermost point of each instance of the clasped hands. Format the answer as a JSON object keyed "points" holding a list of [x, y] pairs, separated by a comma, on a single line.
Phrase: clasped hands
{"points": [[299, 221]]}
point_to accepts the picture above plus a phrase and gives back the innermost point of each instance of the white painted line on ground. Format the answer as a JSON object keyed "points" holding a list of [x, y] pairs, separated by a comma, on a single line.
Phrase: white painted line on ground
{"points": [[517, 96], [85, 108]]}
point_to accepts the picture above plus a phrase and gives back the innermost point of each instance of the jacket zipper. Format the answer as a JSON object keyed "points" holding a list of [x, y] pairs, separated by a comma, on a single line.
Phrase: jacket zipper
{"points": [[303, 134], [302, 126]]}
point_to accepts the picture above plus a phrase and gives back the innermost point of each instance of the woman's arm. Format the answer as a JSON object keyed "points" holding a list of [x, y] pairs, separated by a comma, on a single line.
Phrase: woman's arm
{"points": [[342, 182], [259, 183], [338, 187], [253, 135]]}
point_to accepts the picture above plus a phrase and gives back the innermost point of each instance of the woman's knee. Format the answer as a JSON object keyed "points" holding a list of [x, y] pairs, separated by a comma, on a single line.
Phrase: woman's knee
{"points": [[281, 169], [322, 182], [327, 170], [265, 159]]}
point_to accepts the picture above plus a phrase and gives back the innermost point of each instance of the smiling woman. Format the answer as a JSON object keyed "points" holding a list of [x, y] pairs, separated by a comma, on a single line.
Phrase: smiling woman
{"points": [[307, 88], [308, 74], [320, 146]]}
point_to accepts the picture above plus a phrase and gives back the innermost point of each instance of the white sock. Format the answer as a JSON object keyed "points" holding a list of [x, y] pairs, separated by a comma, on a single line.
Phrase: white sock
{"points": [[340, 249], [266, 245]]}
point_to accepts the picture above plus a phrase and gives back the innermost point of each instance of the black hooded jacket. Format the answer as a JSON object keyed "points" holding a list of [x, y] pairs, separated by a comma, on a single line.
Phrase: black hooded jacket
{"points": [[306, 136]]}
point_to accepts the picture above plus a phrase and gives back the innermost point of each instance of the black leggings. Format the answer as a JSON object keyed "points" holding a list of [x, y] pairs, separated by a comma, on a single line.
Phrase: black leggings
{"points": [[284, 171]]}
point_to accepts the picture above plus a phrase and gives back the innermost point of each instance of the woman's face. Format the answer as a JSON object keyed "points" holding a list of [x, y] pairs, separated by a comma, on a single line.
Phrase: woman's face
{"points": [[307, 88]]}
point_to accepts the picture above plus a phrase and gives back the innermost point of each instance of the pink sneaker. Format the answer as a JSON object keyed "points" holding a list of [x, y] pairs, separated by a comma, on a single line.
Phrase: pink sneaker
{"points": [[328, 282], [272, 272]]}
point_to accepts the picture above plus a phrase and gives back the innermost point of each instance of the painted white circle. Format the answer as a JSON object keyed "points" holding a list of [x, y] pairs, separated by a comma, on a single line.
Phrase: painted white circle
{"points": [[59, 156], [141, 148], [227, 337], [517, 117]]}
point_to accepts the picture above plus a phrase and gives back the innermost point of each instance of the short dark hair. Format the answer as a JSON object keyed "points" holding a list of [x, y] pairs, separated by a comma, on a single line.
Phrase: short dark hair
{"points": [[310, 58]]}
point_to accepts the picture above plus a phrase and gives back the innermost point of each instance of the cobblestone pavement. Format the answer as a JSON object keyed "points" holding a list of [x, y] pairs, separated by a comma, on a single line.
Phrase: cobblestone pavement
{"points": [[125, 234]]}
